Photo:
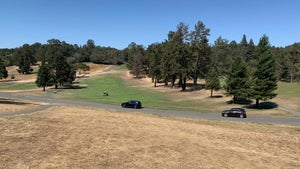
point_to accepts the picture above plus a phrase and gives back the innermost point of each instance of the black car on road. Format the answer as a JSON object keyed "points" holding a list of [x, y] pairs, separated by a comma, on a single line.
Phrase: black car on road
{"points": [[235, 112], [132, 104]]}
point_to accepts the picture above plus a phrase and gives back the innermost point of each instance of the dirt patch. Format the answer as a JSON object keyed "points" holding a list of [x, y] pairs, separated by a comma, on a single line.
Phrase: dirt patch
{"points": [[19, 78], [74, 137], [95, 69], [25, 78]]}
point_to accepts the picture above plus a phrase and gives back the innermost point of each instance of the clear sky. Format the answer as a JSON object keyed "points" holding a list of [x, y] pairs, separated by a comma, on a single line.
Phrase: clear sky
{"points": [[117, 23]]}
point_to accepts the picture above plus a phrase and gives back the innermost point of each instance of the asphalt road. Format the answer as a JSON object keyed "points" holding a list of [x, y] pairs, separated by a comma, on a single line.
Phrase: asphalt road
{"points": [[212, 116]]}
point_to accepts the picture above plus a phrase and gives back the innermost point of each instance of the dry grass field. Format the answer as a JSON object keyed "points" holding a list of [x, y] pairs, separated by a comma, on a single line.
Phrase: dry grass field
{"points": [[74, 137]]}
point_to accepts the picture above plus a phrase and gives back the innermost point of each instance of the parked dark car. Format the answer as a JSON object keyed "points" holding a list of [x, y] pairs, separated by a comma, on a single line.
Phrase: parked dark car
{"points": [[235, 112], [132, 104]]}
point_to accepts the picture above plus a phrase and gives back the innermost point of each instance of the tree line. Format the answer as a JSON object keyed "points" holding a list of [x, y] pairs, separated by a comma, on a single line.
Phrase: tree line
{"points": [[185, 55], [250, 71]]}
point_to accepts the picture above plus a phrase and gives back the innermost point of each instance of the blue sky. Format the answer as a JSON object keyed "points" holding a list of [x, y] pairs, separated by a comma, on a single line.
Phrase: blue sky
{"points": [[117, 23]]}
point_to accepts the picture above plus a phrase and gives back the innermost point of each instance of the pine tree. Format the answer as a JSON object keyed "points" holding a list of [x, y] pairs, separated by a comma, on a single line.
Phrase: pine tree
{"points": [[44, 77], [265, 80], [3, 71], [25, 59], [238, 83], [213, 82]]}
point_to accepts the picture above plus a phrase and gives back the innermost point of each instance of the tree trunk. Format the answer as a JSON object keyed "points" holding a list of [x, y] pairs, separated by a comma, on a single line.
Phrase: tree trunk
{"points": [[166, 81], [211, 92], [173, 81], [44, 88], [155, 80], [257, 103], [180, 81], [195, 82], [183, 85]]}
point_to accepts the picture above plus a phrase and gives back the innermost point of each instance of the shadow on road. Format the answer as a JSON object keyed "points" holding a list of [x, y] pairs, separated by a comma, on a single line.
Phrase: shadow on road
{"points": [[9, 101]]}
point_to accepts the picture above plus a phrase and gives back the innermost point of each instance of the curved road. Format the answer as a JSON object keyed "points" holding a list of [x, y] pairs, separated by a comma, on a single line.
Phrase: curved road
{"points": [[254, 119]]}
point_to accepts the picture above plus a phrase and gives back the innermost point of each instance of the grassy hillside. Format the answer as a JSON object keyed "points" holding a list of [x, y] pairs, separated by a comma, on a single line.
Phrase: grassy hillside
{"points": [[122, 87]]}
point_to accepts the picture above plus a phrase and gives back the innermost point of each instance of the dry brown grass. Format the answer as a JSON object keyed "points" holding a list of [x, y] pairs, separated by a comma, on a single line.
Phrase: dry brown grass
{"points": [[74, 137], [8, 105]]}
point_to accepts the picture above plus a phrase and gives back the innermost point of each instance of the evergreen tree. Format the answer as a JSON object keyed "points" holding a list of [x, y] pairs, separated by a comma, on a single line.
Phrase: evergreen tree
{"points": [[200, 52], [63, 73], [265, 80], [181, 52], [44, 77], [213, 82], [292, 60], [221, 55], [153, 54], [24, 57], [3, 71], [244, 42], [136, 59], [238, 83], [169, 65]]}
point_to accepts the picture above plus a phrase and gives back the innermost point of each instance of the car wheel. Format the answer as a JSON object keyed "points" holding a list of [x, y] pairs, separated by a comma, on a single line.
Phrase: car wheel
{"points": [[225, 115], [241, 116], [123, 105], [135, 106]]}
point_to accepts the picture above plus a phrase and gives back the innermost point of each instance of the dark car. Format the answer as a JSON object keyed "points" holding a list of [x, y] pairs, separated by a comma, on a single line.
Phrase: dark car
{"points": [[235, 112], [132, 104]]}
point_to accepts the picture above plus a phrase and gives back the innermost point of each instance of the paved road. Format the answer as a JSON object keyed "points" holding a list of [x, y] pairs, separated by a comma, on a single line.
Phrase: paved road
{"points": [[211, 116]]}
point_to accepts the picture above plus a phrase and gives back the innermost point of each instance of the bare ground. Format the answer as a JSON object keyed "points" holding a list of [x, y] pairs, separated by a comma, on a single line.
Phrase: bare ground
{"points": [[75, 137]]}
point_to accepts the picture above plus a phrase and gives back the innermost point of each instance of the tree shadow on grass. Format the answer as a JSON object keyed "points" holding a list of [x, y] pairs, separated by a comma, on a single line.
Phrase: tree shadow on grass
{"points": [[74, 87], [9, 101], [191, 87], [66, 87], [240, 101], [216, 96], [263, 106]]}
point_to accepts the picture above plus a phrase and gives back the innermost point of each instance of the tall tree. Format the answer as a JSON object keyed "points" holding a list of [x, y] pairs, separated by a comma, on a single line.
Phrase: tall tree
{"points": [[154, 54], [200, 51], [213, 82], [292, 60], [3, 71], [25, 59], [63, 73], [44, 77], [136, 59], [221, 55], [265, 80], [182, 53], [169, 65], [244, 42], [238, 81]]}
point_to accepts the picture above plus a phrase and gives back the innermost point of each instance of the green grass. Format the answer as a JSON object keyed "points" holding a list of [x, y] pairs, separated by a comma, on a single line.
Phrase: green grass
{"points": [[288, 89], [119, 91], [17, 86]]}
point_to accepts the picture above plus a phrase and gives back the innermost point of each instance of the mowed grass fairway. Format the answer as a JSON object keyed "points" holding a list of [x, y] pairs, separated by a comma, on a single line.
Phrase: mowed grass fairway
{"points": [[121, 89], [75, 137], [17, 86]]}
